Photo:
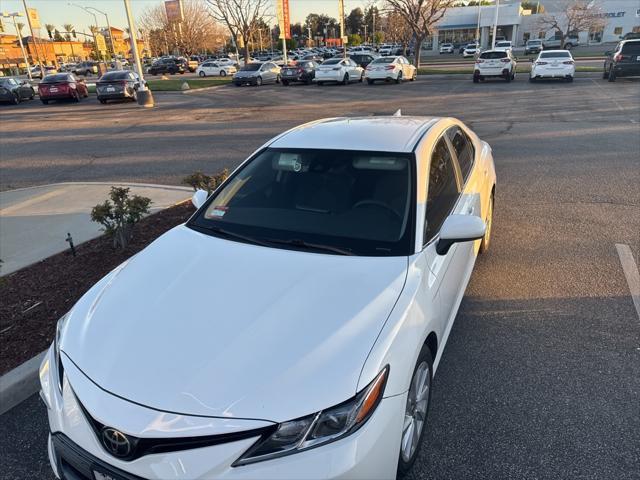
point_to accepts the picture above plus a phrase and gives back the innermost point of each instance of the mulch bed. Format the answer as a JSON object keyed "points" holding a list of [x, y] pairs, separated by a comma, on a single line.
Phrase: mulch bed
{"points": [[34, 298]]}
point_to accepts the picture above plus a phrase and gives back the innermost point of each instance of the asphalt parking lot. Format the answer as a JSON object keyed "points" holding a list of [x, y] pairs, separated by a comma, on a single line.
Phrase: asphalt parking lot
{"points": [[540, 378]]}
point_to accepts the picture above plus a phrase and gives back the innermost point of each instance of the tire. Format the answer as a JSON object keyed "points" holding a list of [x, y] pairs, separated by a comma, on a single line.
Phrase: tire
{"points": [[202, 74], [345, 79], [76, 97], [605, 73], [414, 77], [258, 81], [399, 77], [45, 102], [102, 101], [278, 79], [486, 240], [319, 83], [223, 73], [570, 79], [33, 94], [134, 97], [476, 79], [416, 411], [612, 74], [531, 79], [369, 81], [285, 83], [237, 84], [16, 99], [507, 78]]}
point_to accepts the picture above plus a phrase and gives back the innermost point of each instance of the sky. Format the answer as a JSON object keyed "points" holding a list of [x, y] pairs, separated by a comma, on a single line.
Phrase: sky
{"points": [[59, 12]]}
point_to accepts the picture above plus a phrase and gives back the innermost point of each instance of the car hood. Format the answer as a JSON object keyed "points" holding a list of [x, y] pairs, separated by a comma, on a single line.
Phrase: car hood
{"points": [[200, 325]]}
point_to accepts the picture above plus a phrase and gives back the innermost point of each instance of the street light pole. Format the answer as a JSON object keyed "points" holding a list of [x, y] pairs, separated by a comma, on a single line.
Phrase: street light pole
{"points": [[495, 26], [33, 37], [95, 19], [113, 48], [24, 53], [145, 98]]}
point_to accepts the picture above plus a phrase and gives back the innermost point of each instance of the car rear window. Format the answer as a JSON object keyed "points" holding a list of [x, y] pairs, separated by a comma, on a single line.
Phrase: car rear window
{"points": [[493, 55], [534, 42], [56, 78], [631, 48], [555, 55], [332, 61], [107, 77], [503, 44], [384, 60]]}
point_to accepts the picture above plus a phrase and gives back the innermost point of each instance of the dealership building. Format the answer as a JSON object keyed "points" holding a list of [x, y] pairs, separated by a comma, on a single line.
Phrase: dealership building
{"points": [[465, 24]]}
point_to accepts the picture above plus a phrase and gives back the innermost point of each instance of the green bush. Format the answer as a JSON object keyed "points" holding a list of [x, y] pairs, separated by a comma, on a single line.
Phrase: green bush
{"points": [[119, 214], [200, 181]]}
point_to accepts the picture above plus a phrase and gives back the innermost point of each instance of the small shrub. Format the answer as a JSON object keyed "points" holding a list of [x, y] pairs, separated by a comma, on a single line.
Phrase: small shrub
{"points": [[200, 181], [120, 214]]}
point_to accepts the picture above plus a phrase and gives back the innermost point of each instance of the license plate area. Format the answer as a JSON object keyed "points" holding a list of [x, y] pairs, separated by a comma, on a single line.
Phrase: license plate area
{"points": [[100, 474]]}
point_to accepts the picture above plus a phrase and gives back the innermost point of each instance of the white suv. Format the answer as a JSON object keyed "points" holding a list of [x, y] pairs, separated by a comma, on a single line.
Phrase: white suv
{"points": [[495, 63], [446, 48]]}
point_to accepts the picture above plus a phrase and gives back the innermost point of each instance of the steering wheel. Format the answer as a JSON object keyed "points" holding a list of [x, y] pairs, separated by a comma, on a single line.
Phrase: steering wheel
{"points": [[380, 204]]}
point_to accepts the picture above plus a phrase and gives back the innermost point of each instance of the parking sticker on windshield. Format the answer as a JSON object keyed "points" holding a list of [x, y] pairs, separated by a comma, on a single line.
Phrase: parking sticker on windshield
{"points": [[218, 212]]}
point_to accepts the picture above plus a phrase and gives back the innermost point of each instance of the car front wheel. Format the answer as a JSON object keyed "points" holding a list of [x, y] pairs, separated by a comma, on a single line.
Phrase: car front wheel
{"points": [[202, 74], [416, 411], [486, 240]]}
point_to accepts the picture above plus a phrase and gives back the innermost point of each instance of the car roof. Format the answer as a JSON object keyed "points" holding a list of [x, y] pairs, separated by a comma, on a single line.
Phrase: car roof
{"points": [[380, 133]]}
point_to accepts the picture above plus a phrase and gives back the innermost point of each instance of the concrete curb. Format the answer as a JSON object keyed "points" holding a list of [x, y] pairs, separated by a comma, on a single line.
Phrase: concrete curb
{"points": [[20, 383], [126, 184], [204, 89]]}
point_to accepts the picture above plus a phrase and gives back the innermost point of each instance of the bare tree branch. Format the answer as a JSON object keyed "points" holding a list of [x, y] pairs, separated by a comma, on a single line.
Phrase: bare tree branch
{"points": [[576, 16]]}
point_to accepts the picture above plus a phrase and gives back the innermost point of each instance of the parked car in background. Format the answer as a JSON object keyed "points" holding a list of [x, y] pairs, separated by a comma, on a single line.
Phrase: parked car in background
{"points": [[226, 62], [471, 50], [48, 70], [359, 236], [533, 46], [624, 61], [447, 48], [118, 85], [86, 69], [303, 71], [192, 63], [61, 86], [339, 70], [14, 91], [503, 46], [214, 69], [390, 68], [313, 57], [167, 65], [553, 64], [556, 42], [495, 63], [362, 59], [257, 73]]}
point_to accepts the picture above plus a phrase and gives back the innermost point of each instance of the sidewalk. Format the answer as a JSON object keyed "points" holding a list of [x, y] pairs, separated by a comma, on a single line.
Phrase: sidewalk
{"points": [[34, 221]]}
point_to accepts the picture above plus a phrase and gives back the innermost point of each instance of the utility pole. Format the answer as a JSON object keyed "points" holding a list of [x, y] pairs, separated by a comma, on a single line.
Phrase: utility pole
{"points": [[145, 98], [113, 48], [309, 36], [33, 37], [478, 26], [495, 26], [365, 32], [24, 53]]}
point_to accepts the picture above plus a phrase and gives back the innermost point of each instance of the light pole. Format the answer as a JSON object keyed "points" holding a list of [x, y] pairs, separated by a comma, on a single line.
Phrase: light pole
{"points": [[113, 48], [33, 37], [495, 26], [24, 53], [145, 98], [95, 19]]}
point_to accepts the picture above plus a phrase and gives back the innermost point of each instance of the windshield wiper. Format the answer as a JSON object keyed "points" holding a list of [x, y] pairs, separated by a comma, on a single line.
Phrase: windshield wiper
{"points": [[237, 236], [296, 242]]}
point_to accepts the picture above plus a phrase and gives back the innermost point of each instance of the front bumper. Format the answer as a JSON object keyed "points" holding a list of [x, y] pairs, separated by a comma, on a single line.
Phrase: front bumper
{"points": [[369, 453]]}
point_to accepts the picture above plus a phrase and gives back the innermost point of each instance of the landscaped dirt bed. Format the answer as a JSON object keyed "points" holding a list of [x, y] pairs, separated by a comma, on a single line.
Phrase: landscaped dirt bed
{"points": [[34, 298]]}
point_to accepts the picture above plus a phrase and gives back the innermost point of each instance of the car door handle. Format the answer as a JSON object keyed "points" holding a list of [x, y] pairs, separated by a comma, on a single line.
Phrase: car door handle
{"points": [[471, 210]]}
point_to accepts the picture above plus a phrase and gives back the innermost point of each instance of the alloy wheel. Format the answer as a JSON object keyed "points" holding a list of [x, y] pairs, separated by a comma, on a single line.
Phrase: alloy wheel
{"points": [[416, 411]]}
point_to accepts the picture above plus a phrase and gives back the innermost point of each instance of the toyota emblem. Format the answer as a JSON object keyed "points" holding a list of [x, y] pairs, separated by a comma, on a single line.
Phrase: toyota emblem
{"points": [[116, 442]]}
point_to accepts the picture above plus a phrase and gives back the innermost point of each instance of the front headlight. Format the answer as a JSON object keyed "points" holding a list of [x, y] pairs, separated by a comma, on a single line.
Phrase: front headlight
{"points": [[59, 371], [321, 427]]}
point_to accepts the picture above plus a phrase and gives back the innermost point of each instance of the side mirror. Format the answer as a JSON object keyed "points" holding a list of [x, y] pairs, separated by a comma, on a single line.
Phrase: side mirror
{"points": [[458, 229], [199, 198]]}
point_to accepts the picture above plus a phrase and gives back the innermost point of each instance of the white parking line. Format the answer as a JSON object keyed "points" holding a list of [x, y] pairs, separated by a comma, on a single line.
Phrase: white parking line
{"points": [[630, 269]]}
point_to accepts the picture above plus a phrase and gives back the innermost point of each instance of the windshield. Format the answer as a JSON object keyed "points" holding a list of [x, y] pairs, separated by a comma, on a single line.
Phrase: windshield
{"points": [[355, 202], [107, 77], [534, 42], [384, 60], [251, 67], [493, 55], [56, 78], [555, 55], [503, 44]]}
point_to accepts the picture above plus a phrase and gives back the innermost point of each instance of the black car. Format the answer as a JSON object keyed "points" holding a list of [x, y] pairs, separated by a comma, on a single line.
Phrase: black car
{"points": [[624, 61], [314, 58], [117, 85], [86, 68], [14, 91], [167, 65], [303, 71], [362, 59]]}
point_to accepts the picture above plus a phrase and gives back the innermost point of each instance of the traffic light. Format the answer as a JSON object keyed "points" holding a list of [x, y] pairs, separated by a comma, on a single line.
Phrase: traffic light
{"points": [[73, 32]]}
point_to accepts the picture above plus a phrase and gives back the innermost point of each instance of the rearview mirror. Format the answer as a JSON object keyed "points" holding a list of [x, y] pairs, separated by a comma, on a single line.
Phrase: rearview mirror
{"points": [[199, 198], [458, 229]]}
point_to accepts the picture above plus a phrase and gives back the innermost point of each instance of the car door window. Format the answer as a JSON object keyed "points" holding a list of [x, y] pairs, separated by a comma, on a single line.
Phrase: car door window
{"points": [[464, 150], [442, 193]]}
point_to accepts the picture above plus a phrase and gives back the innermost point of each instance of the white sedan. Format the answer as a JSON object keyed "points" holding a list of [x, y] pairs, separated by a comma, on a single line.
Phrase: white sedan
{"points": [[553, 64], [339, 70], [390, 68], [291, 328], [210, 69]]}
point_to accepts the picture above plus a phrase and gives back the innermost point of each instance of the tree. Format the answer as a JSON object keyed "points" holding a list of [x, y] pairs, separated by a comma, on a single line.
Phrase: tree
{"points": [[576, 16], [56, 36], [240, 17], [354, 21], [534, 7], [420, 16], [68, 28], [49, 28], [355, 39], [378, 37], [372, 19], [397, 30], [197, 32], [318, 23]]}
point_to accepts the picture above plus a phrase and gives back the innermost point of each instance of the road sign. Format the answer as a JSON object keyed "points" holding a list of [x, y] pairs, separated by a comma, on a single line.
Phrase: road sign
{"points": [[284, 22], [174, 10], [100, 43], [34, 17]]}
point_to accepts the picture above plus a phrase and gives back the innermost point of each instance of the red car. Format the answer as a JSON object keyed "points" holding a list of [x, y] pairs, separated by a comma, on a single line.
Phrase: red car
{"points": [[60, 86]]}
